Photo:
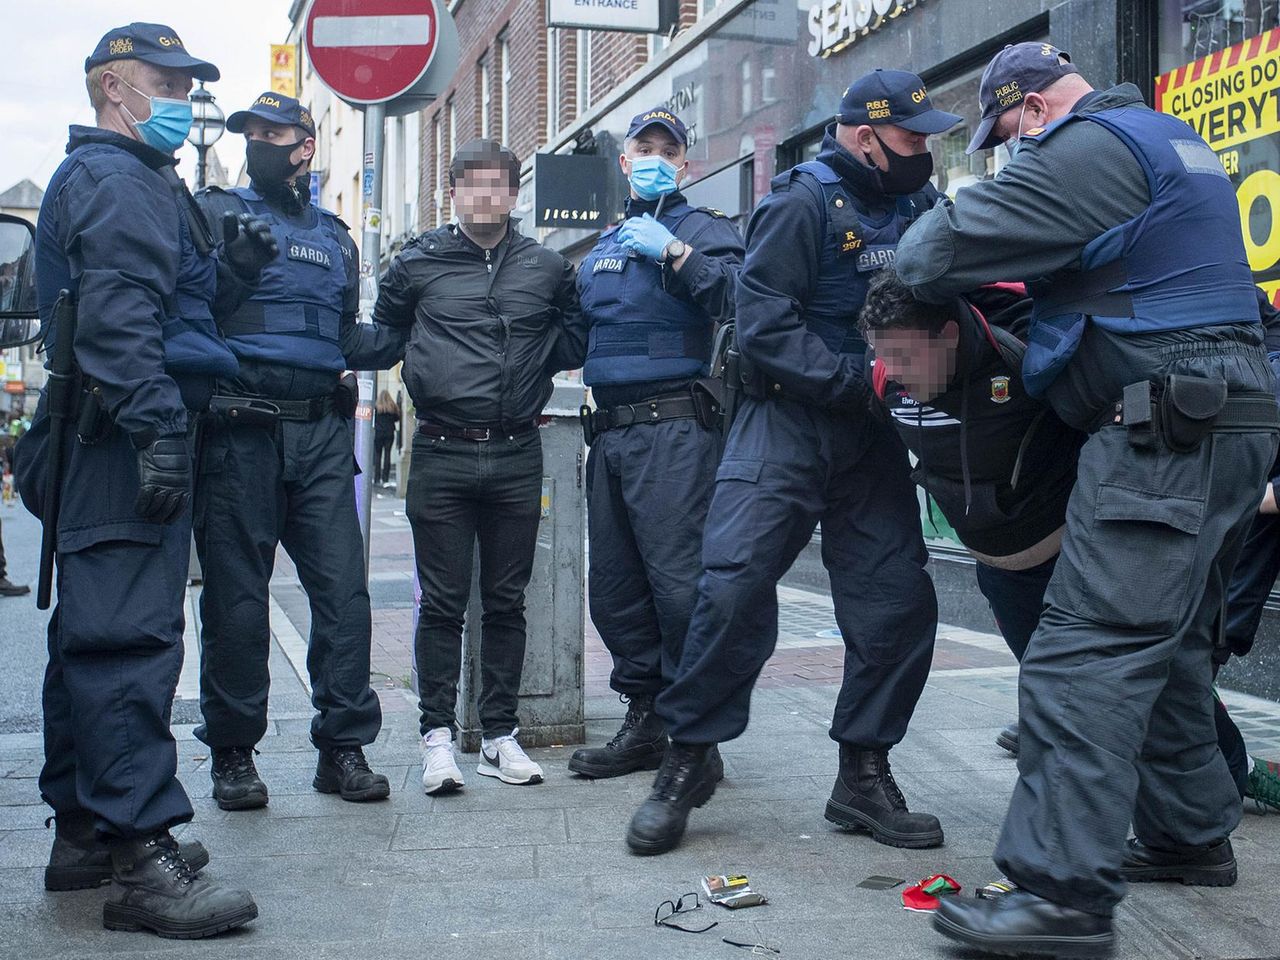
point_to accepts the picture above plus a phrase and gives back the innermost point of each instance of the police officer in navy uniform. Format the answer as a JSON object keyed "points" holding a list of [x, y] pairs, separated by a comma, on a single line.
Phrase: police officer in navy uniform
{"points": [[653, 289], [119, 231], [1144, 332], [805, 450], [277, 467]]}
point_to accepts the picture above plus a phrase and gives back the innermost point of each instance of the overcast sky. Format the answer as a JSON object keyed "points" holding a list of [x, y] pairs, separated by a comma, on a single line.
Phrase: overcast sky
{"points": [[42, 69]]}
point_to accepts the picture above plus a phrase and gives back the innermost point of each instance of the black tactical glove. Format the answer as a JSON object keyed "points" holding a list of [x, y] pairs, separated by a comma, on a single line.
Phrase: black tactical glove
{"points": [[248, 244], [164, 479]]}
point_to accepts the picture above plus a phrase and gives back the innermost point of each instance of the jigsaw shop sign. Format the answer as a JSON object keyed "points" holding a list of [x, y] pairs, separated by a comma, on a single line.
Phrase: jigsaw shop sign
{"points": [[834, 24], [1232, 99]]}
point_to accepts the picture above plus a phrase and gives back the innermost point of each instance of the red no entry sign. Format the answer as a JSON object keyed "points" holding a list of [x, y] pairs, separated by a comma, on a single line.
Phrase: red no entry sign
{"points": [[371, 51]]}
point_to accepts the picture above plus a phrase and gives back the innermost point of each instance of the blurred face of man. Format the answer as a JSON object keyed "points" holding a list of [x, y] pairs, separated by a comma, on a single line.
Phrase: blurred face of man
{"points": [[484, 196], [923, 362]]}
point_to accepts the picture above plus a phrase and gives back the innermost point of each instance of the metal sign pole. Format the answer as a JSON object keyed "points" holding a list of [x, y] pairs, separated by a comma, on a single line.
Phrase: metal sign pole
{"points": [[370, 254]]}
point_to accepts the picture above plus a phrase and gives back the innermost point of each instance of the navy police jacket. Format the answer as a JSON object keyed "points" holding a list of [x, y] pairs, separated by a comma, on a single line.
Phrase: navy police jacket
{"points": [[305, 296], [813, 245], [1150, 273], [998, 462], [115, 229], [649, 322]]}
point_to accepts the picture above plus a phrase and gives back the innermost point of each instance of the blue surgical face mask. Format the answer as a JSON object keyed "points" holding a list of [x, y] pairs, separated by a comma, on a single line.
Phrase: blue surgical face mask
{"points": [[168, 125], [653, 177]]}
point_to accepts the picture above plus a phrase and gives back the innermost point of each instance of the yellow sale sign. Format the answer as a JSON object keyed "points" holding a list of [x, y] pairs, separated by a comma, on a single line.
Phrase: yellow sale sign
{"points": [[1232, 99]]}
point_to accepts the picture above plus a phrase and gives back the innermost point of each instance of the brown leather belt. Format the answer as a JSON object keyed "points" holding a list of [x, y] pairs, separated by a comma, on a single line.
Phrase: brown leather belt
{"points": [[477, 434]]}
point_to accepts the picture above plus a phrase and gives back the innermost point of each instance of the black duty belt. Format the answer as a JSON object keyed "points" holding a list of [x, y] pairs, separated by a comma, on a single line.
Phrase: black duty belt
{"points": [[266, 412], [478, 434], [1182, 410], [676, 406]]}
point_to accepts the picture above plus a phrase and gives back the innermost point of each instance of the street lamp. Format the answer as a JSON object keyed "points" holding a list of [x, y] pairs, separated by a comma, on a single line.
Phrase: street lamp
{"points": [[207, 123]]}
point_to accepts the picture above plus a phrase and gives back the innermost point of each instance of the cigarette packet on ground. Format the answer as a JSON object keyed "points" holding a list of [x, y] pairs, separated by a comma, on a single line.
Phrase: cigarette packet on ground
{"points": [[732, 891]]}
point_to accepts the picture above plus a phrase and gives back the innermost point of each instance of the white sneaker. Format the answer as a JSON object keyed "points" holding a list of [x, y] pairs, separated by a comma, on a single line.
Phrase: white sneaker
{"points": [[440, 773], [505, 759]]}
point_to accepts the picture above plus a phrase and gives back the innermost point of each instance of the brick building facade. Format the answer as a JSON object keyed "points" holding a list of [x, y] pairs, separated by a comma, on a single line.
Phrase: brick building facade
{"points": [[521, 83]]}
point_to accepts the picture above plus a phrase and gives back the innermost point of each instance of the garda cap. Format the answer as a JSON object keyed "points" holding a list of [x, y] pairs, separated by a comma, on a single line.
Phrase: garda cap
{"points": [[274, 108], [660, 117], [152, 43], [1015, 71], [895, 97]]}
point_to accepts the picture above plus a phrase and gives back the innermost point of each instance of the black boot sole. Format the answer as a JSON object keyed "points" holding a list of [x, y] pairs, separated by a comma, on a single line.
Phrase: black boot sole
{"points": [[59, 879], [644, 847], [600, 771], [251, 801], [1099, 945], [1218, 875], [852, 819], [1006, 742], [378, 791], [116, 916]]}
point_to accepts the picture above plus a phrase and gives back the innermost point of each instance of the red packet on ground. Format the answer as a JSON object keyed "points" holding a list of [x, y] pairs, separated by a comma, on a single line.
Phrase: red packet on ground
{"points": [[923, 896]]}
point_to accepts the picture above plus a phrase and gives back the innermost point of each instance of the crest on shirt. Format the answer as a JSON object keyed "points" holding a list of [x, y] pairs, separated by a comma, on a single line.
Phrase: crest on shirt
{"points": [[999, 389]]}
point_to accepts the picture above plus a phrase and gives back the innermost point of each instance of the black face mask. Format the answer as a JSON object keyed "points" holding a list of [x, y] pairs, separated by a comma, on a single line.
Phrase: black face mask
{"points": [[906, 174], [268, 163]]}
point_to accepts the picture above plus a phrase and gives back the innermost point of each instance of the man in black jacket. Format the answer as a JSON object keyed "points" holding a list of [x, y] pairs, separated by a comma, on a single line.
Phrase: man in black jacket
{"points": [[997, 462], [482, 317]]}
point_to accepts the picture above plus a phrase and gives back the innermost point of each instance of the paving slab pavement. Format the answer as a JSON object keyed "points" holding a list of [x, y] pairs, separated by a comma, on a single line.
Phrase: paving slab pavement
{"points": [[541, 872]]}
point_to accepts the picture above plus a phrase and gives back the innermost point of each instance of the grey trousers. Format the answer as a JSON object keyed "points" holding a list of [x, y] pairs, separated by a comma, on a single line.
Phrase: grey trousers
{"points": [[1115, 698]]}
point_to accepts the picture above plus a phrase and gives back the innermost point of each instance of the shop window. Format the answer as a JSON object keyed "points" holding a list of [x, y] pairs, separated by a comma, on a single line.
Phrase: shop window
{"points": [[1191, 29], [553, 82], [504, 89], [486, 96]]}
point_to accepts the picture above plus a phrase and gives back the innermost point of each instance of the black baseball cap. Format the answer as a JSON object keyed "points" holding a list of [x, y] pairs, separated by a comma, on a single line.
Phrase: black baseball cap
{"points": [[274, 108], [895, 97], [1015, 71], [663, 118], [151, 43]]}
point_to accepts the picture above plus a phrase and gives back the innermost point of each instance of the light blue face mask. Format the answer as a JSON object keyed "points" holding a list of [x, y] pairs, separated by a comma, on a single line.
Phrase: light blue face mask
{"points": [[653, 177], [168, 125]]}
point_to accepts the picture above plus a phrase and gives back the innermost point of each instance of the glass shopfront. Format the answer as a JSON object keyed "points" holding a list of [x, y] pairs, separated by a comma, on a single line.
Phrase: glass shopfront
{"points": [[757, 89]]}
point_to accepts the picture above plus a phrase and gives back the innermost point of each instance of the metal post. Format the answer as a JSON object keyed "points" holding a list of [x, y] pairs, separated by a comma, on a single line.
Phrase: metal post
{"points": [[202, 169], [370, 254]]}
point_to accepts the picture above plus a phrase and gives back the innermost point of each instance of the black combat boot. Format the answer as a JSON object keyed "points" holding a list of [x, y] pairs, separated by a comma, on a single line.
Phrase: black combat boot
{"points": [[1007, 739], [153, 888], [866, 797], [639, 745], [80, 860], [236, 784], [1022, 923], [686, 779], [345, 771], [1211, 866]]}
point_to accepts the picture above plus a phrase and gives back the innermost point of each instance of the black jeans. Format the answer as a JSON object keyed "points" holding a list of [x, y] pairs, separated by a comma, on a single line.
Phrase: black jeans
{"points": [[461, 490], [382, 457]]}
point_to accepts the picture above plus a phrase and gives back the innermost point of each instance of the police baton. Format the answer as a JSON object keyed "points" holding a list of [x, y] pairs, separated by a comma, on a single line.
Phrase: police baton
{"points": [[61, 396]]}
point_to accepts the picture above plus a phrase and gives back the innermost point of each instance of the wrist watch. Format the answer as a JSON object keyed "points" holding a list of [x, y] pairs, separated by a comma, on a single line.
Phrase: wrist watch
{"points": [[673, 250]]}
